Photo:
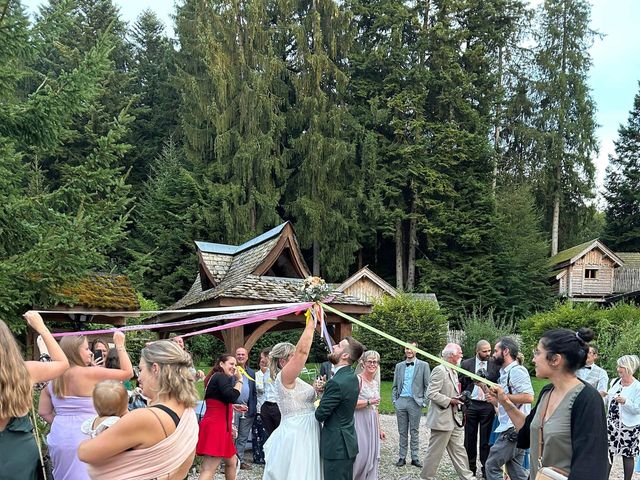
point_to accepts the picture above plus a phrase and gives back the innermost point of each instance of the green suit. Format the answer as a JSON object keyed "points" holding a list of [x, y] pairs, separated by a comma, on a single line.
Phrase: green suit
{"points": [[338, 441]]}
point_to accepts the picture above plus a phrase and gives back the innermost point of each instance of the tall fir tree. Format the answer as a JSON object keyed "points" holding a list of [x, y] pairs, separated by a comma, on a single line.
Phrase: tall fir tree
{"points": [[623, 187], [565, 115], [52, 232], [156, 98], [318, 195], [232, 110]]}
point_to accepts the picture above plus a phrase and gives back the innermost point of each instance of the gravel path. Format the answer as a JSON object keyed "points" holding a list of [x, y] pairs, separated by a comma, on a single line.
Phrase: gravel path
{"points": [[389, 455]]}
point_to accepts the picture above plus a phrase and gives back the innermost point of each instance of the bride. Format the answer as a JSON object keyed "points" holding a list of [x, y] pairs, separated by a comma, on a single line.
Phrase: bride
{"points": [[293, 449]]}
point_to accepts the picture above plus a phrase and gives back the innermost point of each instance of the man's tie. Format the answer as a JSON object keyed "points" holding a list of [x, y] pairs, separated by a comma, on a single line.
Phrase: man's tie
{"points": [[409, 364]]}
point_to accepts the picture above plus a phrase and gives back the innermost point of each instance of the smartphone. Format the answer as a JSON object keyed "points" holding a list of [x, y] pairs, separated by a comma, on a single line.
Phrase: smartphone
{"points": [[97, 355]]}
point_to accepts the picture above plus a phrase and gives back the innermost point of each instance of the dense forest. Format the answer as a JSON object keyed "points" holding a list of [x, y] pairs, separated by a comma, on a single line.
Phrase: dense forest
{"points": [[448, 144]]}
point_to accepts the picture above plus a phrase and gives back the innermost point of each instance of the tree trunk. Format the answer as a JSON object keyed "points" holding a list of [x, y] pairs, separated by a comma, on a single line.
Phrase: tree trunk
{"points": [[399, 256], [316, 257], [556, 215], [496, 129], [411, 261]]}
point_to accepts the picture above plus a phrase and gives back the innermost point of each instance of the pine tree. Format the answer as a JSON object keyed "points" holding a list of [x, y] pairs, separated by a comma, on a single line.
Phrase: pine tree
{"points": [[565, 114], [51, 232], [318, 195], [232, 101], [623, 187], [156, 98]]}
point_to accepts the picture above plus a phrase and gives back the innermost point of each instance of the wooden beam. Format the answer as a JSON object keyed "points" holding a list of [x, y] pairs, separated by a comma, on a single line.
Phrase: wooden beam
{"points": [[264, 327]]}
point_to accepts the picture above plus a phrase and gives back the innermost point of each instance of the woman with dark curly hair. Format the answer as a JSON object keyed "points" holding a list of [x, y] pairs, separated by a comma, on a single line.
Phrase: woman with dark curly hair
{"points": [[566, 430]]}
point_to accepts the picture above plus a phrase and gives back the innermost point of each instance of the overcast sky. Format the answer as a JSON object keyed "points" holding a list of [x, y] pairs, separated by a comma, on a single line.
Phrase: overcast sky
{"points": [[614, 76]]}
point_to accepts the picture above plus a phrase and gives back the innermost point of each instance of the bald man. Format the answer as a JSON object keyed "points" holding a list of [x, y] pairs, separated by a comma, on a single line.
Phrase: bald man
{"points": [[480, 413], [444, 418]]}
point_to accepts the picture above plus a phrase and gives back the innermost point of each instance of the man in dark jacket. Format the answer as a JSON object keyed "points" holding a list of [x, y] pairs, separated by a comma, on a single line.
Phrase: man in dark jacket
{"points": [[338, 441], [479, 412]]}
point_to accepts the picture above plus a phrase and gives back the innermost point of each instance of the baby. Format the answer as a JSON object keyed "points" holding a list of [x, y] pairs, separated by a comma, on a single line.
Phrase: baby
{"points": [[110, 400]]}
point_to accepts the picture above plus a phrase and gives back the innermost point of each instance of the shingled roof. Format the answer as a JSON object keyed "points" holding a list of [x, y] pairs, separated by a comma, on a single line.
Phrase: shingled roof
{"points": [[268, 268]]}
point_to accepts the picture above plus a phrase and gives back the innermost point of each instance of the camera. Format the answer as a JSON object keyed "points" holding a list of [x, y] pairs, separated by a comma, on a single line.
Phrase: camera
{"points": [[482, 373], [465, 397]]}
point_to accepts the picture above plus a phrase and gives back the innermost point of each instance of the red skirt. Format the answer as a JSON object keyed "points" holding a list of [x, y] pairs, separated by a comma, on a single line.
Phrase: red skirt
{"points": [[214, 438]]}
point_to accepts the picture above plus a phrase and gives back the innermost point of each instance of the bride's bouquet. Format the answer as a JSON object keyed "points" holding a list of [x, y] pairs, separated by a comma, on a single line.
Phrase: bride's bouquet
{"points": [[314, 289]]}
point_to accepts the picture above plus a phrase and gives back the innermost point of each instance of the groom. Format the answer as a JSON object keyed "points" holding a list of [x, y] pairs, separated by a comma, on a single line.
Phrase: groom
{"points": [[338, 441]]}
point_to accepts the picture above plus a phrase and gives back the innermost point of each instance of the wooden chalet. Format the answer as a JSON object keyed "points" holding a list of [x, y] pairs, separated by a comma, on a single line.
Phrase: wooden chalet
{"points": [[268, 269], [592, 272], [366, 285]]}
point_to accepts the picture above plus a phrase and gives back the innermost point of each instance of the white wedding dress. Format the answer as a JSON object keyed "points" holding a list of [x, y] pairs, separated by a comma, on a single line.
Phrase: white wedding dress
{"points": [[293, 449]]}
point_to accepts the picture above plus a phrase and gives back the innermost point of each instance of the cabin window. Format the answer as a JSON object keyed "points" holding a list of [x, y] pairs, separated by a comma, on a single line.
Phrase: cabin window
{"points": [[591, 273]]}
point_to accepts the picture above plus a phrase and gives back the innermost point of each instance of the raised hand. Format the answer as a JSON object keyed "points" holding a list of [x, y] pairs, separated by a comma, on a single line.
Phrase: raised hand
{"points": [[35, 321]]}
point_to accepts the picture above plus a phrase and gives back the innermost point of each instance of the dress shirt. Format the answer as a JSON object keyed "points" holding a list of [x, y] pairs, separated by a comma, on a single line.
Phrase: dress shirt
{"points": [[244, 393], [409, 371], [595, 376], [520, 383], [477, 393], [270, 394]]}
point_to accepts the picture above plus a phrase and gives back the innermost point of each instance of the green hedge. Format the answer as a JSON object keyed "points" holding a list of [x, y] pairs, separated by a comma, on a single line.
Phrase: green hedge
{"points": [[617, 328], [405, 318]]}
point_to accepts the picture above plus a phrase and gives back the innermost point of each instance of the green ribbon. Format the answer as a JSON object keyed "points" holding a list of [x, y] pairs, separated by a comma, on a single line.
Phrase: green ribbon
{"points": [[469, 374]]}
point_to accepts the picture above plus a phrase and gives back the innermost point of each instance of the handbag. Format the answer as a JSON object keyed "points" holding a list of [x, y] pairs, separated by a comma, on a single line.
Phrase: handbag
{"points": [[547, 473], [45, 471]]}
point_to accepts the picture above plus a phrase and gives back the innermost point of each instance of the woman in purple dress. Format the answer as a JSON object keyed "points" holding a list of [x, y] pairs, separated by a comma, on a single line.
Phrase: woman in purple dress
{"points": [[367, 419], [66, 403]]}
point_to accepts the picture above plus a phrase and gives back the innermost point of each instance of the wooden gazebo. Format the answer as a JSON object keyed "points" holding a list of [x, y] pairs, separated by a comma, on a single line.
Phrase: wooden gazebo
{"points": [[268, 269]]}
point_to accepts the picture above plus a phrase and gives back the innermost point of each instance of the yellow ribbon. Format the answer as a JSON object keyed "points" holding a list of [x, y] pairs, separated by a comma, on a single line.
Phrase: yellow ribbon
{"points": [[244, 372], [469, 374]]}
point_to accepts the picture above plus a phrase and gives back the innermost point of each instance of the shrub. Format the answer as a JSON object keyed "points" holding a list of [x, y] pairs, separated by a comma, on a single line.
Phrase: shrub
{"points": [[407, 319], [488, 326], [616, 328]]}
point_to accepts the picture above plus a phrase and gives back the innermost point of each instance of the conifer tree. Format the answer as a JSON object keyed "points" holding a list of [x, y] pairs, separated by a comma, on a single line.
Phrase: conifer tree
{"points": [[565, 115], [322, 154], [623, 187], [156, 98], [52, 232]]}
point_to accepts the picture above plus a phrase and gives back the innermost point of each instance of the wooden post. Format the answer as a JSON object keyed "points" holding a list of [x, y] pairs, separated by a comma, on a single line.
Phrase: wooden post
{"points": [[233, 338]]}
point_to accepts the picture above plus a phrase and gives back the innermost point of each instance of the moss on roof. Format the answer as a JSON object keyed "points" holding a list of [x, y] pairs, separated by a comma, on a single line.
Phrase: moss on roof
{"points": [[630, 259], [569, 253], [104, 291]]}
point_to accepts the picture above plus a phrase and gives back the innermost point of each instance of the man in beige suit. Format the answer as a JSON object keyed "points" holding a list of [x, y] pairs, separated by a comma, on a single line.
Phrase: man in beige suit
{"points": [[444, 418]]}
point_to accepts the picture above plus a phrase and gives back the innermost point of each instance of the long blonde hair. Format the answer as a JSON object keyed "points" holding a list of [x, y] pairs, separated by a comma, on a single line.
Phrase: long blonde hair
{"points": [[15, 381], [71, 347], [175, 378], [278, 352]]}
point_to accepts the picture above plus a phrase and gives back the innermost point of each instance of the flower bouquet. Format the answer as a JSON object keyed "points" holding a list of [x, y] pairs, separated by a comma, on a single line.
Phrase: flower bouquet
{"points": [[314, 289]]}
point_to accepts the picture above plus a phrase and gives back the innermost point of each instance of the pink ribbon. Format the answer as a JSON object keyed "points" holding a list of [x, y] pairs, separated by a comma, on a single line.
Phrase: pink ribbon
{"points": [[253, 319], [243, 315]]}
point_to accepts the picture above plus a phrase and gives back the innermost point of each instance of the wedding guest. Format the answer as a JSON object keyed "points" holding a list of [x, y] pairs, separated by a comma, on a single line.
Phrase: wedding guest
{"points": [[111, 401], [215, 440], [367, 419], [16, 380], [594, 375], [244, 421], [270, 412], [566, 428], [409, 393], [258, 434], [623, 420], [444, 418], [480, 413], [100, 350], [66, 403], [154, 442]]}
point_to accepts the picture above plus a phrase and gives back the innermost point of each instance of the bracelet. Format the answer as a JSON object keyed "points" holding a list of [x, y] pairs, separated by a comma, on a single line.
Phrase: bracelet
{"points": [[121, 349]]}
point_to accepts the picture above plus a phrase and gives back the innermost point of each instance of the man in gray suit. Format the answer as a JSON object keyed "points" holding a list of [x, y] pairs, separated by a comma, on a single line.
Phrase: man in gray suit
{"points": [[410, 382], [445, 419]]}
